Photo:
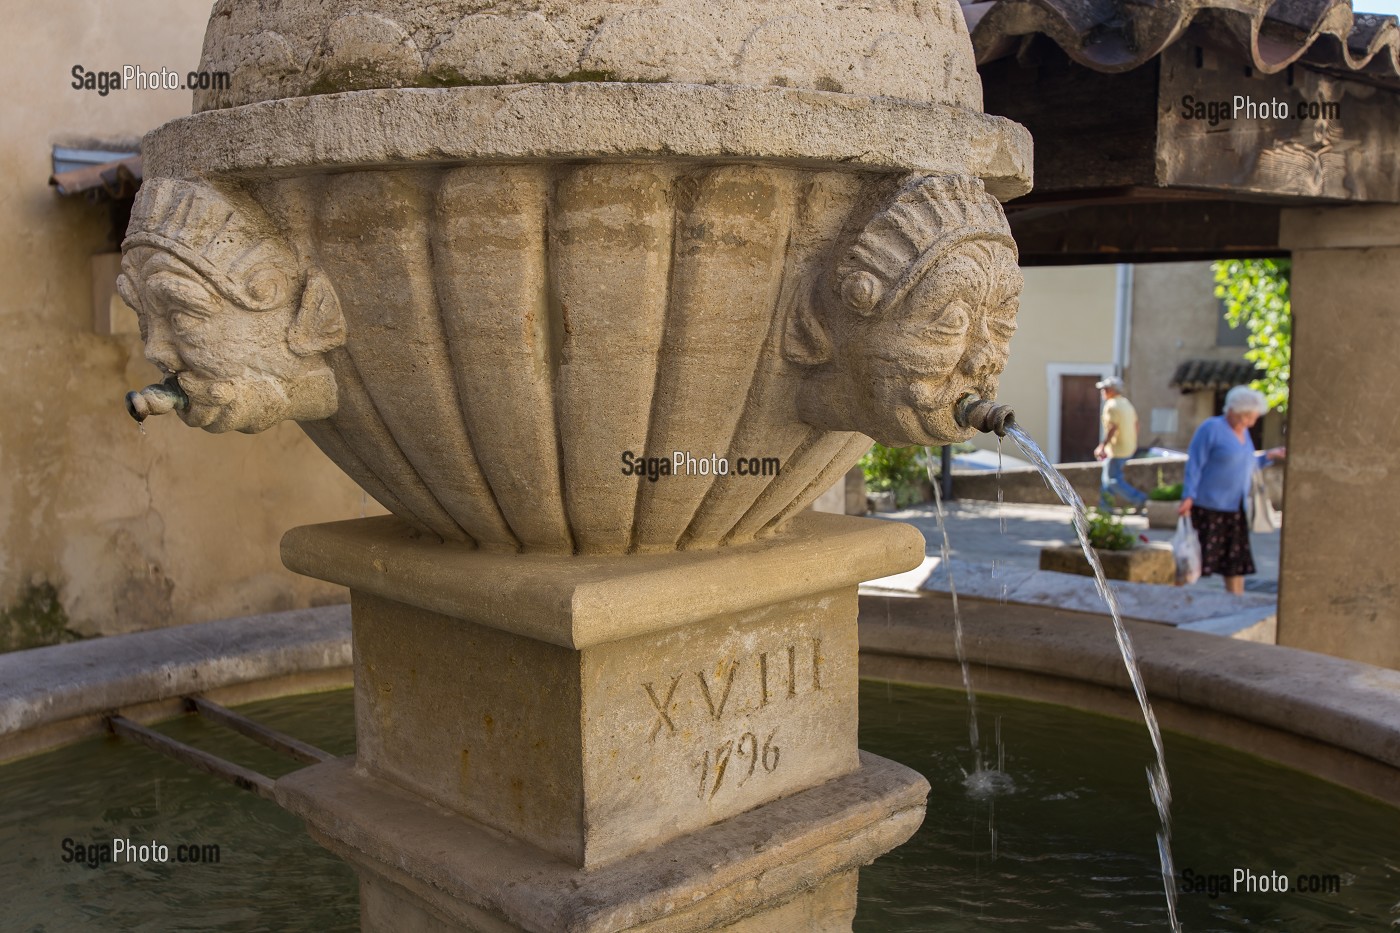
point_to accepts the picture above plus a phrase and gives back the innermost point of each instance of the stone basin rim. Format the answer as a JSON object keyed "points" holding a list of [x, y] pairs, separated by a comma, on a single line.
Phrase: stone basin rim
{"points": [[586, 121], [57, 695]]}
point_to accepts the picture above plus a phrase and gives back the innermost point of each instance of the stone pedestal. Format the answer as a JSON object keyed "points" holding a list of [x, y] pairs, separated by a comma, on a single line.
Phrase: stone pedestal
{"points": [[606, 743]]}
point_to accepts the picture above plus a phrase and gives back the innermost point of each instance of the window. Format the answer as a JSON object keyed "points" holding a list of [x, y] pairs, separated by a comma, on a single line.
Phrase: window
{"points": [[1225, 335]]}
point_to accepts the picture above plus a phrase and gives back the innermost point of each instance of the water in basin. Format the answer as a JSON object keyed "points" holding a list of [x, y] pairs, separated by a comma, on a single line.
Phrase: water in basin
{"points": [[1073, 844]]}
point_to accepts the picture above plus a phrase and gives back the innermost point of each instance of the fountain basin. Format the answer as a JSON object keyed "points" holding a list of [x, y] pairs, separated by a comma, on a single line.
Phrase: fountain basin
{"points": [[1334, 718], [499, 316], [496, 255], [1073, 837], [1331, 717]]}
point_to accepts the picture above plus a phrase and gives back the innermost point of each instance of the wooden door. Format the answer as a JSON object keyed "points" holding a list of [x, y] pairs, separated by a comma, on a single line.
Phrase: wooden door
{"points": [[1079, 418]]}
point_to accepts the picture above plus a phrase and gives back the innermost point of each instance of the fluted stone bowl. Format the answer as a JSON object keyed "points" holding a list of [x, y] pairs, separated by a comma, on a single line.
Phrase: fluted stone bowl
{"points": [[501, 260]]}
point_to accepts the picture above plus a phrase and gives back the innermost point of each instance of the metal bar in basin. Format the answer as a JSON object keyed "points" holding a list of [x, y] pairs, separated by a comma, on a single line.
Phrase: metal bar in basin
{"points": [[264, 735], [259, 784]]}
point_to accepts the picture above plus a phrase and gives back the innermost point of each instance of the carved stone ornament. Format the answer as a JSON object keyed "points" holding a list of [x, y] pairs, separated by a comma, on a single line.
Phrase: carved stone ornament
{"points": [[227, 310], [500, 260], [918, 312]]}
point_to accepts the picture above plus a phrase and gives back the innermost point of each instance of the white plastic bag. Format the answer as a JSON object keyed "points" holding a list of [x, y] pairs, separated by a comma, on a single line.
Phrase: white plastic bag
{"points": [[1186, 548], [1263, 517]]}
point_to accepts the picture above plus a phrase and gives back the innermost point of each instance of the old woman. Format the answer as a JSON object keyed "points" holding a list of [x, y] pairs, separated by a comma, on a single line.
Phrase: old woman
{"points": [[1220, 467]]}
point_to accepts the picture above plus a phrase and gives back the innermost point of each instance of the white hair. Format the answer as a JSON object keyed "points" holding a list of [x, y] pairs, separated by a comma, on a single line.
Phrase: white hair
{"points": [[1244, 401]]}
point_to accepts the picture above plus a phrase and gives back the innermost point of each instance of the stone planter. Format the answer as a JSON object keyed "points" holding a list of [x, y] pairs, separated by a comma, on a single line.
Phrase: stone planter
{"points": [[1145, 563], [1161, 514]]}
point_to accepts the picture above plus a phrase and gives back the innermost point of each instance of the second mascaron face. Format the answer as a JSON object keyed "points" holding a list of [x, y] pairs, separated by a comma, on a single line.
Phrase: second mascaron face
{"points": [[949, 337], [232, 363]]}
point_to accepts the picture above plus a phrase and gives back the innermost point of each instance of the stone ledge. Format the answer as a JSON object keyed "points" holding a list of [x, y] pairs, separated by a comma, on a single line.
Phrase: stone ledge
{"points": [[78, 683], [710, 877], [1334, 702], [1251, 616], [577, 602], [534, 122]]}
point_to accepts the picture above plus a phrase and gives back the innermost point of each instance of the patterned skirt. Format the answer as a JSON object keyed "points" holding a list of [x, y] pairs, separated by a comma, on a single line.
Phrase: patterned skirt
{"points": [[1224, 542]]}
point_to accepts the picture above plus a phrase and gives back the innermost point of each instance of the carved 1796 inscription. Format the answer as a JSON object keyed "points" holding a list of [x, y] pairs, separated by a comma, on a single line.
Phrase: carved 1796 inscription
{"points": [[741, 684], [746, 755]]}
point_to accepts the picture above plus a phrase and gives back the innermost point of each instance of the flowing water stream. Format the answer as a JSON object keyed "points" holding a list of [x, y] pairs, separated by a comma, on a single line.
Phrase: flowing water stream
{"points": [[1157, 780], [981, 782]]}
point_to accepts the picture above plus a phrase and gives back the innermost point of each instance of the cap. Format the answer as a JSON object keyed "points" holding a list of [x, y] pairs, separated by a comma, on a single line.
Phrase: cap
{"points": [[1112, 382]]}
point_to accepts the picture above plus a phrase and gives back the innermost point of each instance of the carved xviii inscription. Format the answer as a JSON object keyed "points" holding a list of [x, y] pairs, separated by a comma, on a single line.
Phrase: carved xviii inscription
{"points": [[735, 685]]}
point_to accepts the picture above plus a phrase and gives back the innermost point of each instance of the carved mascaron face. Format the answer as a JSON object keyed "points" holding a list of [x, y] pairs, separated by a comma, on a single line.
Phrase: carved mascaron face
{"points": [[223, 310], [950, 337], [920, 312]]}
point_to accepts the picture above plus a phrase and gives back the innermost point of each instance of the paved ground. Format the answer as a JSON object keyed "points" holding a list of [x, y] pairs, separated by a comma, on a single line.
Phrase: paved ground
{"points": [[996, 555], [1012, 534]]}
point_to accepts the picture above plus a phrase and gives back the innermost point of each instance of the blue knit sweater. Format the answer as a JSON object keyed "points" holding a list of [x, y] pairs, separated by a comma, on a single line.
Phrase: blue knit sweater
{"points": [[1219, 467]]}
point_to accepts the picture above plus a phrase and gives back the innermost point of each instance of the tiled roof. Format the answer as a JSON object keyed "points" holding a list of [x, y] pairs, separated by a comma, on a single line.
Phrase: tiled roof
{"points": [[117, 179], [1118, 35], [1194, 375]]}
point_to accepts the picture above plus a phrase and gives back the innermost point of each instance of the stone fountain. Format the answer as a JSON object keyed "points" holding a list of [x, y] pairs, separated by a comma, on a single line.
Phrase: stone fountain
{"points": [[595, 298]]}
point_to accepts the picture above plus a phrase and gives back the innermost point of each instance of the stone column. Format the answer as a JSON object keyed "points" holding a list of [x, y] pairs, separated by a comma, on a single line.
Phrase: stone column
{"points": [[657, 742], [1338, 592]]}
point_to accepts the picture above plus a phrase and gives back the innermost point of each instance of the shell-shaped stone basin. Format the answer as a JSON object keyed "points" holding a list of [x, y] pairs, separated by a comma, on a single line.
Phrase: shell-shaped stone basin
{"points": [[519, 334]]}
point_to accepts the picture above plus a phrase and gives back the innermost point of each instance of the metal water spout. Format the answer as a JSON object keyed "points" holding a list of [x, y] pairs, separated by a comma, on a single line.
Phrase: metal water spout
{"points": [[983, 415], [158, 399]]}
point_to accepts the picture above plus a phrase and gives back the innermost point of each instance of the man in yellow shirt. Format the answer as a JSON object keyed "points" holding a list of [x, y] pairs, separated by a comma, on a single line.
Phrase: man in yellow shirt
{"points": [[1120, 438]]}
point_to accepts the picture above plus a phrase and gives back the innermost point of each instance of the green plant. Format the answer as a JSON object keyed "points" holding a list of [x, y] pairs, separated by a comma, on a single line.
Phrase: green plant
{"points": [[1106, 532], [900, 470], [1163, 493], [1255, 293]]}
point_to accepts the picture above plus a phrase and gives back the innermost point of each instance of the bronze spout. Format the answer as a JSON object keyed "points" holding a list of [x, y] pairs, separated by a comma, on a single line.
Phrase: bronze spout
{"points": [[983, 415], [158, 399]]}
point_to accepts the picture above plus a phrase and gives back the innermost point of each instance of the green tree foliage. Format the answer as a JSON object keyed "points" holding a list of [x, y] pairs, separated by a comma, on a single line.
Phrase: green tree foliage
{"points": [[1255, 292], [894, 469]]}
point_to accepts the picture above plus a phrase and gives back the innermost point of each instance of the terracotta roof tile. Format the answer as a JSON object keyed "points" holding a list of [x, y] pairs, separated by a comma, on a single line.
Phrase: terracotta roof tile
{"points": [[1119, 35], [1194, 375]]}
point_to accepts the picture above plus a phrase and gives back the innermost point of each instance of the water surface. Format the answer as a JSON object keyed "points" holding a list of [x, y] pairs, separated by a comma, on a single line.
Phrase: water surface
{"points": [[1073, 846]]}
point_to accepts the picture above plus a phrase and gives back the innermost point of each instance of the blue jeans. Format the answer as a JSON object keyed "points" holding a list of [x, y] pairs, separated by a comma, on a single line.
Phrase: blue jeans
{"points": [[1116, 488]]}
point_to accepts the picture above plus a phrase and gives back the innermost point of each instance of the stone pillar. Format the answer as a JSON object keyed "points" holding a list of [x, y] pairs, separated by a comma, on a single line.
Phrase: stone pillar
{"points": [[1337, 592], [647, 742]]}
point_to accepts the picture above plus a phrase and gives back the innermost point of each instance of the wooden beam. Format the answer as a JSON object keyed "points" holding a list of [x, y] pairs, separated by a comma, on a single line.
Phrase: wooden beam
{"points": [[1300, 134], [1091, 130], [1171, 125], [263, 735], [237, 775], [1176, 231]]}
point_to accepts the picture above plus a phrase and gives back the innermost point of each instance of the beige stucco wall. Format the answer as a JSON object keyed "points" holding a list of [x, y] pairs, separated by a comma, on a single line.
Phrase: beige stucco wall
{"points": [[1175, 314], [1174, 319], [135, 532], [1066, 318]]}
